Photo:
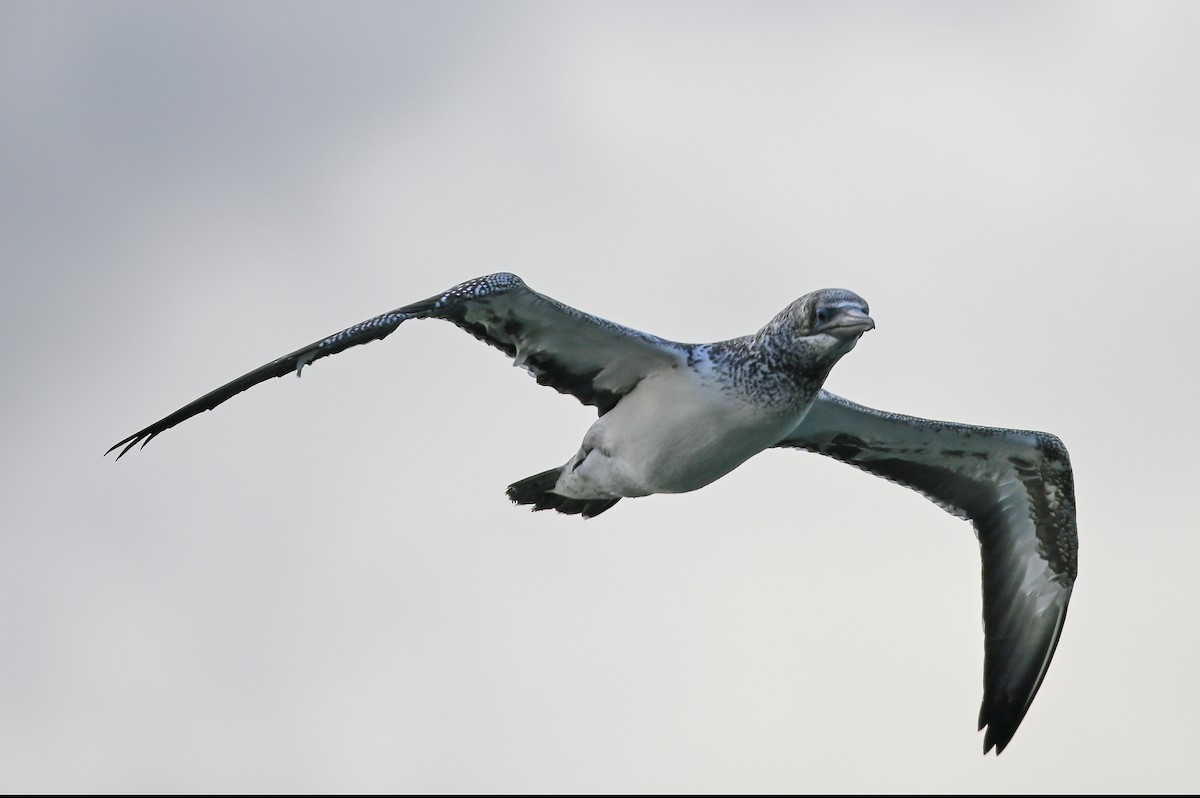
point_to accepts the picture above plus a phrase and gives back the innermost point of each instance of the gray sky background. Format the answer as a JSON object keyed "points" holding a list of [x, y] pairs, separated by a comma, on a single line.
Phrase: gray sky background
{"points": [[321, 586]]}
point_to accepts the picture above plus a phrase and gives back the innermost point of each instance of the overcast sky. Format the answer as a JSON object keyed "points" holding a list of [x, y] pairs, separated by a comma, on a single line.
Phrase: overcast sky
{"points": [[321, 585]]}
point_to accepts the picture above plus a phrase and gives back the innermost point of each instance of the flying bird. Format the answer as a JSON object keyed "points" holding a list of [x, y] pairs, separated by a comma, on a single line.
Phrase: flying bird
{"points": [[674, 417]]}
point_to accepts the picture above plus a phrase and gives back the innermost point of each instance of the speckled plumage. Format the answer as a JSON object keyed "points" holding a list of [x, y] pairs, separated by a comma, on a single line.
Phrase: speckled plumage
{"points": [[1017, 489], [673, 417]]}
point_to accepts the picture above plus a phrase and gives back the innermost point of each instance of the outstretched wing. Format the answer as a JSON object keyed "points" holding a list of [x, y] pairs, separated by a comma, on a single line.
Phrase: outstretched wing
{"points": [[594, 360], [1017, 489]]}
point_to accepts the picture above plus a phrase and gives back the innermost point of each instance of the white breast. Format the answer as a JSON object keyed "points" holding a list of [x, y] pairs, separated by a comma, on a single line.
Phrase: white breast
{"points": [[675, 432]]}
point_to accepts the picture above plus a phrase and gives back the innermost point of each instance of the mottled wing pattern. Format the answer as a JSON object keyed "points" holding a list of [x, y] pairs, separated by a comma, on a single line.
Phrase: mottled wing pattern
{"points": [[1017, 489], [593, 359], [590, 358]]}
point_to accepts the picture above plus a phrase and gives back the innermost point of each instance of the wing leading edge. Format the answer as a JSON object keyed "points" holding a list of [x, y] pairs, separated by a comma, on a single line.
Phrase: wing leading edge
{"points": [[1017, 489]]}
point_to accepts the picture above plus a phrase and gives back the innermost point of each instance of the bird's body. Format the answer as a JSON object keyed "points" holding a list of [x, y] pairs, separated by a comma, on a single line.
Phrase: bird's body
{"points": [[637, 450], [698, 417], [675, 417]]}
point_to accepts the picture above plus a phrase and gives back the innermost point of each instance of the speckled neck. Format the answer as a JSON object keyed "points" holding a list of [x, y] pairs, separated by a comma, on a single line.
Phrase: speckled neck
{"points": [[771, 368]]}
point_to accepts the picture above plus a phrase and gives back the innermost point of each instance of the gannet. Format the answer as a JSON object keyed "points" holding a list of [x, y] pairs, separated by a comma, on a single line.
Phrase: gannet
{"points": [[674, 417]]}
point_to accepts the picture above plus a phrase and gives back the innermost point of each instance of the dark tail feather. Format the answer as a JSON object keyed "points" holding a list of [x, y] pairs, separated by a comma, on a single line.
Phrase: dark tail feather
{"points": [[538, 490]]}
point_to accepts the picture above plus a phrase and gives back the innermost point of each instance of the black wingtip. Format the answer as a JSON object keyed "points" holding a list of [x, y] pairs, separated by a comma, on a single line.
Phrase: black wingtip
{"points": [[998, 735], [990, 744], [128, 443], [132, 442], [142, 437]]}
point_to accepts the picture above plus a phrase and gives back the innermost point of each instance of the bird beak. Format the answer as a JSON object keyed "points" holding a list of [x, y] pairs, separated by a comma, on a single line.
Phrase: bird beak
{"points": [[851, 321]]}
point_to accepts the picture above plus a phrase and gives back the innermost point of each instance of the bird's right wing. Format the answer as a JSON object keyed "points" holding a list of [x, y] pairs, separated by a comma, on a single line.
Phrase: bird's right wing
{"points": [[594, 360], [1018, 491]]}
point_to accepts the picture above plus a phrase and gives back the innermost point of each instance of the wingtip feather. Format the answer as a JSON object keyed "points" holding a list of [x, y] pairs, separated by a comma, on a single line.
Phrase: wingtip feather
{"points": [[128, 443]]}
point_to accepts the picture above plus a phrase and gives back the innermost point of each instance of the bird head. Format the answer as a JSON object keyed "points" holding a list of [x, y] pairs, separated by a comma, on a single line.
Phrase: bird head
{"points": [[830, 320]]}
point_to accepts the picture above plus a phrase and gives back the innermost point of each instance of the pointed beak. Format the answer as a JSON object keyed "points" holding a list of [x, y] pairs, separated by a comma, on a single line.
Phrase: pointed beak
{"points": [[851, 321]]}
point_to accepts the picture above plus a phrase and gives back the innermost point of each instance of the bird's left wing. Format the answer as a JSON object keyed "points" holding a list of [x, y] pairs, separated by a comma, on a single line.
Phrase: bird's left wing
{"points": [[594, 360], [1017, 489]]}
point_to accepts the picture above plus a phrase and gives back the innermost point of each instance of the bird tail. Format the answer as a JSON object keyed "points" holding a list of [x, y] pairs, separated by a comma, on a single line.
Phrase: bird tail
{"points": [[538, 490]]}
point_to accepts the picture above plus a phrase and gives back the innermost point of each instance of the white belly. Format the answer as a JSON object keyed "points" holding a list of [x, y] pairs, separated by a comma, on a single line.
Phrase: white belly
{"points": [[671, 434]]}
